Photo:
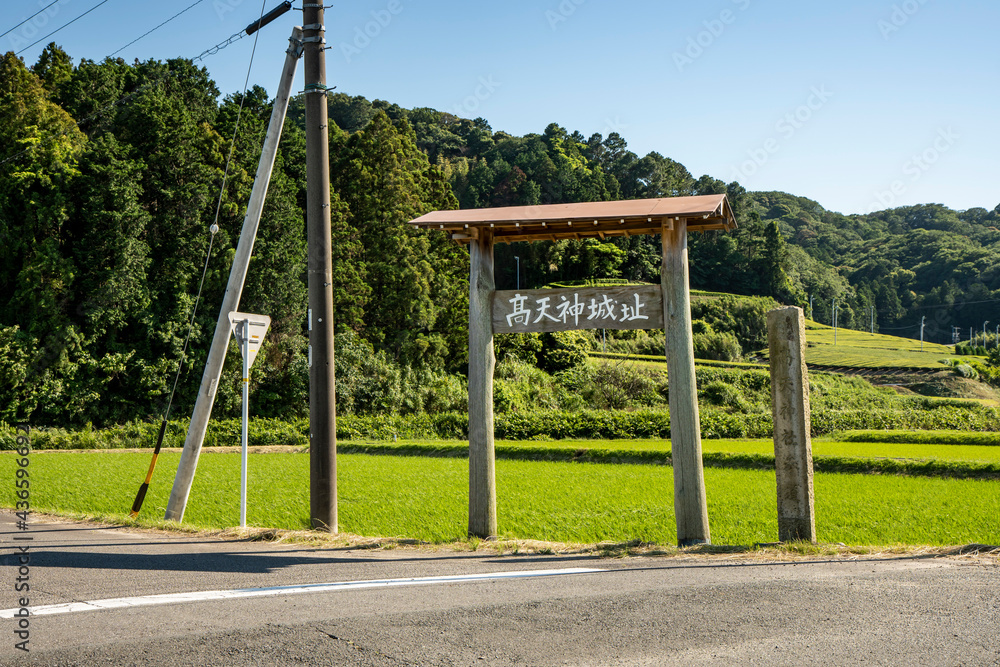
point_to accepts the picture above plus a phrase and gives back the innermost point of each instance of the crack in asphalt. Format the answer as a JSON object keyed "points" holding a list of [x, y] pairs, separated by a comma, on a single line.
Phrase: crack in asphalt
{"points": [[362, 649]]}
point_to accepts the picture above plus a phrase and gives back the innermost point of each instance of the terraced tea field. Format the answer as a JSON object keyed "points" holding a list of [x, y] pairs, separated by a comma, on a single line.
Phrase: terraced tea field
{"points": [[859, 349], [848, 349]]}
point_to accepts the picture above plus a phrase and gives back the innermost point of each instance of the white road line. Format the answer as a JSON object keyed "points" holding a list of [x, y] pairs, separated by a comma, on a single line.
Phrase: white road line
{"points": [[200, 596]]}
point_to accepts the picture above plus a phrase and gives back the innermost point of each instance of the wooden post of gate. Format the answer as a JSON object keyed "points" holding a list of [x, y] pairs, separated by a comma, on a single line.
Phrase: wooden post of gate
{"points": [[690, 501], [790, 407], [482, 468]]}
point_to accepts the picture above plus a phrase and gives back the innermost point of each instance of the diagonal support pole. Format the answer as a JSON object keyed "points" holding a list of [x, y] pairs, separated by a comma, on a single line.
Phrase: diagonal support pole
{"points": [[231, 301]]}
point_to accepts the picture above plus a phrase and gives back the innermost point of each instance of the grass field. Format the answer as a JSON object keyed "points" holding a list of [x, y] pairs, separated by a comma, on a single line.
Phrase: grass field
{"points": [[426, 498]]}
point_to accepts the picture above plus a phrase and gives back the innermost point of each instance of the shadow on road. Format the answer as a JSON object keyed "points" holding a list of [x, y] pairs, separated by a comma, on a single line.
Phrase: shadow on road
{"points": [[224, 556]]}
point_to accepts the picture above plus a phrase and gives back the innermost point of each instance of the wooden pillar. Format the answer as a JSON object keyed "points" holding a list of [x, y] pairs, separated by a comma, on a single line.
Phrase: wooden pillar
{"points": [[690, 504], [482, 468], [790, 407]]}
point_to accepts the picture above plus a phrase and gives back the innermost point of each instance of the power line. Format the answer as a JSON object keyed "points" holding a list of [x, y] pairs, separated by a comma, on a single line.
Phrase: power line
{"points": [[955, 305], [60, 28], [940, 305], [235, 37], [30, 17], [146, 34]]}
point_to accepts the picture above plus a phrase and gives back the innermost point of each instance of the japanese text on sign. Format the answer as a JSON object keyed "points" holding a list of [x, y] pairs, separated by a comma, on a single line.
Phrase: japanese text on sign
{"points": [[626, 307]]}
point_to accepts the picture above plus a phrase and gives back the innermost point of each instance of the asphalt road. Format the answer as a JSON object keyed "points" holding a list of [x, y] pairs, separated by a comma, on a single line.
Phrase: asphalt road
{"points": [[633, 611]]}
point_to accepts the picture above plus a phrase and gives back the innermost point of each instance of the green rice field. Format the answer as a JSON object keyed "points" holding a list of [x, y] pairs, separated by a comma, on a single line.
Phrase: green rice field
{"points": [[426, 498]]}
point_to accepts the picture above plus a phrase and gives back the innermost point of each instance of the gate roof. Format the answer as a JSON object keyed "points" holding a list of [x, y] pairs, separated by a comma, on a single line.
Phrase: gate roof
{"points": [[551, 222]]}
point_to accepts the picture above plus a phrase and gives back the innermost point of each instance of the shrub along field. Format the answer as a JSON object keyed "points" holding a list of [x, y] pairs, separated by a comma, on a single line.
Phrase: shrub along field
{"points": [[829, 456], [923, 437], [598, 398], [426, 498], [894, 450], [734, 404]]}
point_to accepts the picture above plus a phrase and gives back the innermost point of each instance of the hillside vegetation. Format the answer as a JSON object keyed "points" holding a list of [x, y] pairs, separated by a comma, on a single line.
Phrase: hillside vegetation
{"points": [[111, 174]]}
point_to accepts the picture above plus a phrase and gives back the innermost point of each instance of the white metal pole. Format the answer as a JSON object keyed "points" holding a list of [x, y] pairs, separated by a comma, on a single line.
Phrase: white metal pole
{"points": [[231, 300], [246, 418], [834, 321]]}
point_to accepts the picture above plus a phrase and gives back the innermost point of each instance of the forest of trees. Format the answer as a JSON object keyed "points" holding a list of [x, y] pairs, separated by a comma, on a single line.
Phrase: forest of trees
{"points": [[110, 177], [907, 263]]}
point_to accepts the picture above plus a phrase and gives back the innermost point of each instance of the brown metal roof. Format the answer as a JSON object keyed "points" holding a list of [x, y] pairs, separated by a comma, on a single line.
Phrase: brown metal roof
{"points": [[550, 222]]}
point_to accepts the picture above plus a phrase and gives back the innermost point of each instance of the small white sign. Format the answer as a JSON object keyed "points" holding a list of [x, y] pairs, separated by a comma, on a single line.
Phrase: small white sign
{"points": [[250, 330]]}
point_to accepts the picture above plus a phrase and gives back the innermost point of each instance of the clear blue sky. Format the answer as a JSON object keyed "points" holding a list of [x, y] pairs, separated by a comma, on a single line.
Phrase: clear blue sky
{"points": [[858, 104]]}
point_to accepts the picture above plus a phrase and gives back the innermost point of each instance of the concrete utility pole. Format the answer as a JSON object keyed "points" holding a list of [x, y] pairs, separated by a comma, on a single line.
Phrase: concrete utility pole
{"points": [[234, 289], [322, 403], [922, 319]]}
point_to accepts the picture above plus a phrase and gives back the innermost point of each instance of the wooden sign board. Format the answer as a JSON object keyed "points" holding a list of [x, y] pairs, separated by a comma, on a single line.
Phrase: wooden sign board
{"points": [[548, 310]]}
